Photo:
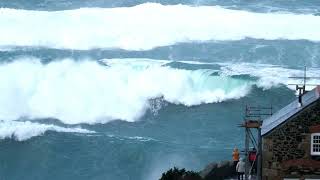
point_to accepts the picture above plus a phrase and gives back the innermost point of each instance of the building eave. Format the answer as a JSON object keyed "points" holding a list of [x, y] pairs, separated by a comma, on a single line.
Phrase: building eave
{"points": [[289, 111]]}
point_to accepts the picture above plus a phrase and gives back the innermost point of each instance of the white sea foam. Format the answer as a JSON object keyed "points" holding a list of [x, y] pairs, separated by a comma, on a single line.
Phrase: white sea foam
{"points": [[196, 62], [147, 26], [271, 75], [88, 92], [26, 130], [135, 138]]}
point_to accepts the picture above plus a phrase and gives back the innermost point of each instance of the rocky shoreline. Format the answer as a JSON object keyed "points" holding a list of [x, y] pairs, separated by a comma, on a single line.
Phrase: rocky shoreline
{"points": [[216, 170]]}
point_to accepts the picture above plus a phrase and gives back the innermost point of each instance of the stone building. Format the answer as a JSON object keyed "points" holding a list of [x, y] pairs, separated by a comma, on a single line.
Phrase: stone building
{"points": [[291, 140]]}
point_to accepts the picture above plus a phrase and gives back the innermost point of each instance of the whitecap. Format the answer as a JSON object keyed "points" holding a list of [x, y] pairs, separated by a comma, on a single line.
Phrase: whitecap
{"points": [[148, 25], [21, 131]]}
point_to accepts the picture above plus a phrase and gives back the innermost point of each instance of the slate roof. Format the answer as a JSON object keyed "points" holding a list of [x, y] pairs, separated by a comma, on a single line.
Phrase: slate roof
{"points": [[290, 110]]}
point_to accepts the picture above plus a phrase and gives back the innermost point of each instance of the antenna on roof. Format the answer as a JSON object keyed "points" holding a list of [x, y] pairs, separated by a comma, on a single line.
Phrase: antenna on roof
{"points": [[302, 87]]}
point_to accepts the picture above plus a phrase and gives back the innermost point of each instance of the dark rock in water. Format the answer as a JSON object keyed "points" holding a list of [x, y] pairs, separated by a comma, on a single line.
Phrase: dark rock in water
{"points": [[218, 171]]}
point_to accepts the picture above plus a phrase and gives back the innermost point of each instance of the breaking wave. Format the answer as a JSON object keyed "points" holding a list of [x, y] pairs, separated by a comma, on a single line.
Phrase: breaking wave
{"points": [[270, 75], [88, 92], [21, 131], [147, 26], [98, 92]]}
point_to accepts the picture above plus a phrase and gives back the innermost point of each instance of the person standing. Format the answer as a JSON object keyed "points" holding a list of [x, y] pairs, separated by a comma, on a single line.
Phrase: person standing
{"points": [[252, 160], [235, 157], [240, 168]]}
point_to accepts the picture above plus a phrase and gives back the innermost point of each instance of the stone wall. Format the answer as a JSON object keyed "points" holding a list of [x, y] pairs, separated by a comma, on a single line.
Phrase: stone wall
{"points": [[286, 149]]}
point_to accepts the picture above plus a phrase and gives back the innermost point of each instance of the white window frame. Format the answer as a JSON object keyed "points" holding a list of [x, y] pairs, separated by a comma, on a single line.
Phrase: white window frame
{"points": [[313, 135]]}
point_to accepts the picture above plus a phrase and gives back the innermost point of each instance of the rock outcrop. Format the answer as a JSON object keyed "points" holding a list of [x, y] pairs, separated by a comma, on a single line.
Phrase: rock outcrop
{"points": [[218, 171]]}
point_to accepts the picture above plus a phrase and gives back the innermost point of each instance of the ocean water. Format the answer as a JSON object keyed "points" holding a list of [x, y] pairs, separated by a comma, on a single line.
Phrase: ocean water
{"points": [[124, 90]]}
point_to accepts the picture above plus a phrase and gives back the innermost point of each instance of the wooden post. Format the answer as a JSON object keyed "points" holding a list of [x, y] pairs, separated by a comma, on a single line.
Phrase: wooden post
{"points": [[259, 153], [246, 160]]}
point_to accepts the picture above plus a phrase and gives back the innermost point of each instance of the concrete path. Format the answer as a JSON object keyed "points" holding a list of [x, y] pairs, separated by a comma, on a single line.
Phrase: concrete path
{"points": [[253, 177]]}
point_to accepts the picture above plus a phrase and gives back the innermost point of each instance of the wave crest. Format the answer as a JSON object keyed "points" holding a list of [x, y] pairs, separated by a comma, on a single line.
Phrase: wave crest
{"points": [[147, 26], [88, 92], [25, 130]]}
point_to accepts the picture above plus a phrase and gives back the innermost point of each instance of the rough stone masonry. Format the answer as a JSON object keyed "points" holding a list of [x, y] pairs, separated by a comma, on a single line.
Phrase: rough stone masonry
{"points": [[286, 149]]}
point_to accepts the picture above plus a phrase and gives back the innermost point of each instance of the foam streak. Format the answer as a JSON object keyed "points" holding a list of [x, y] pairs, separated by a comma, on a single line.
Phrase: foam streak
{"points": [[25, 130]]}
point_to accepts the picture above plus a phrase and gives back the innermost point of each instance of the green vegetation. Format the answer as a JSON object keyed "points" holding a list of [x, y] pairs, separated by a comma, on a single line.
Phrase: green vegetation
{"points": [[180, 174]]}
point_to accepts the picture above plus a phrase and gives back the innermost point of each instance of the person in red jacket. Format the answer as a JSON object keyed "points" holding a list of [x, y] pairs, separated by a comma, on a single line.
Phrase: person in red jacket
{"points": [[252, 160]]}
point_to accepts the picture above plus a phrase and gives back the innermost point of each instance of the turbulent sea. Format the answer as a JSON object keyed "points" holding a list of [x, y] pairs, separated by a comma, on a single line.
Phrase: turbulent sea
{"points": [[124, 90]]}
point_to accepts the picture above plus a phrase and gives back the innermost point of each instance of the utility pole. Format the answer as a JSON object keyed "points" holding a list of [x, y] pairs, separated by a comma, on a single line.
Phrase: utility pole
{"points": [[259, 158], [246, 173], [253, 121]]}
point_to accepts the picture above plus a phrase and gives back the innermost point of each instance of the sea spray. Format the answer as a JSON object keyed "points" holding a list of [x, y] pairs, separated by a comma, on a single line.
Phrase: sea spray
{"points": [[88, 92]]}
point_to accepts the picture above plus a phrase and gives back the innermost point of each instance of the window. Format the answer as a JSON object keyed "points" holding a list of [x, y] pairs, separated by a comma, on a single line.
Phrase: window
{"points": [[315, 144]]}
